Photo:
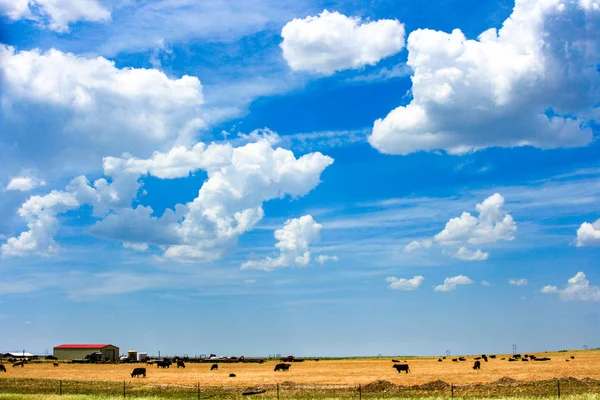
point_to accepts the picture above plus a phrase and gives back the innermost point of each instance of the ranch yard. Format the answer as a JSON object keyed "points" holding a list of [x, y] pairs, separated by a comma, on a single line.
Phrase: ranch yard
{"points": [[338, 378]]}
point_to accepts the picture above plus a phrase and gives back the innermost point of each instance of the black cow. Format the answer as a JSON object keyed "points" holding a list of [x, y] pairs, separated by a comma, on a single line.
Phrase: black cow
{"points": [[492, 356], [163, 364], [19, 364], [214, 366], [232, 375], [567, 360], [516, 356], [2, 368], [56, 364], [484, 357], [477, 365], [439, 360], [524, 359], [462, 359], [180, 364], [542, 359], [512, 359], [455, 359], [396, 361], [282, 367], [572, 357], [138, 371], [401, 367]]}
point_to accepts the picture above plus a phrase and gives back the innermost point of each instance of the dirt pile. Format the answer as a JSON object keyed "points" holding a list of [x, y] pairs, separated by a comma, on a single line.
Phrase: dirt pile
{"points": [[434, 386], [505, 380], [380, 386]]}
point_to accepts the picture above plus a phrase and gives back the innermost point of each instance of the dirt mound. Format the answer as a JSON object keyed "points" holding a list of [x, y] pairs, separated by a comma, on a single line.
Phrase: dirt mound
{"points": [[505, 380], [589, 380], [288, 384], [434, 385], [254, 390], [568, 379], [380, 386]]}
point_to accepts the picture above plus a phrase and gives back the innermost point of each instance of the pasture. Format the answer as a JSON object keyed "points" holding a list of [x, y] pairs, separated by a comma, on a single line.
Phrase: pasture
{"points": [[337, 378], [350, 372]]}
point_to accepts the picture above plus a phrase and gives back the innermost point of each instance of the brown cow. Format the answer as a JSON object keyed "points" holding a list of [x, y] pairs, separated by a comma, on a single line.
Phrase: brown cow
{"points": [[19, 364], [56, 364], [2, 368], [282, 367], [180, 364], [214, 366]]}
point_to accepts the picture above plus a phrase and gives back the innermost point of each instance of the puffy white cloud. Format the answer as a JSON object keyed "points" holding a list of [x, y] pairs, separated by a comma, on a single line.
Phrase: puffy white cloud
{"points": [[322, 258], [467, 255], [405, 284], [518, 282], [293, 244], [229, 202], [418, 244], [40, 213], [56, 14], [65, 112], [24, 183], [577, 288], [492, 225], [452, 283], [588, 234], [332, 42], [498, 90]]}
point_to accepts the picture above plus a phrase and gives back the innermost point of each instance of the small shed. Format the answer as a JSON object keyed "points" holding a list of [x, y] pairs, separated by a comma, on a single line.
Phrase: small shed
{"points": [[79, 351]]}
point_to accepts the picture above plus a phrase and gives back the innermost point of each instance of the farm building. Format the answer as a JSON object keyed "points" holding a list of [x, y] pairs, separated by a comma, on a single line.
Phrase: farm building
{"points": [[18, 355], [79, 351]]}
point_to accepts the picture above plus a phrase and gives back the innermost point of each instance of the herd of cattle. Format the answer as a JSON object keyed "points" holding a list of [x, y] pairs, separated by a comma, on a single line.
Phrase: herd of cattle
{"points": [[166, 363]]}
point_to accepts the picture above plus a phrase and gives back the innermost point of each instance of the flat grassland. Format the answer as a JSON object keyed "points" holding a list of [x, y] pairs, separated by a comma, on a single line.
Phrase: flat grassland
{"points": [[345, 372]]}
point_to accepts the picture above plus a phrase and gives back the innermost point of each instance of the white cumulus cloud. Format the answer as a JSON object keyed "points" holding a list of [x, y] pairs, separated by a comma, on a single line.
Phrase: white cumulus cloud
{"points": [[24, 183], [418, 244], [534, 82], [322, 258], [55, 14], [518, 282], [405, 284], [588, 234], [451, 283], [467, 255], [293, 243], [577, 288], [65, 112], [333, 42]]}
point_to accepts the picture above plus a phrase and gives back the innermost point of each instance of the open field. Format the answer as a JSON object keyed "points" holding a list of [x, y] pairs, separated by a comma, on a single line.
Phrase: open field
{"points": [[328, 372], [589, 396], [338, 379]]}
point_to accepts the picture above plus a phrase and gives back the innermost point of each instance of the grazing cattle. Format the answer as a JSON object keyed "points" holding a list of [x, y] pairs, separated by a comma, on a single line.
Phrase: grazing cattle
{"points": [[477, 365], [567, 360], [214, 366], [180, 364], [439, 360], [455, 359], [516, 356], [232, 375], [572, 357], [503, 358], [542, 359], [163, 364], [19, 364], [56, 364], [150, 362], [524, 359], [532, 356], [512, 359], [477, 358], [492, 356], [444, 358], [282, 367], [484, 358], [401, 367], [396, 361], [2, 368], [138, 371], [462, 359]]}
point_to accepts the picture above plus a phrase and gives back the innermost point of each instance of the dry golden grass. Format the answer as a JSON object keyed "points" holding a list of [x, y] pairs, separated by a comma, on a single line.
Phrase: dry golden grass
{"points": [[327, 372]]}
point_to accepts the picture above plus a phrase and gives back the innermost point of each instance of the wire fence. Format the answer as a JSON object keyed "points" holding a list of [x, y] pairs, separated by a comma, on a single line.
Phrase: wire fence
{"points": [[505, 387]]}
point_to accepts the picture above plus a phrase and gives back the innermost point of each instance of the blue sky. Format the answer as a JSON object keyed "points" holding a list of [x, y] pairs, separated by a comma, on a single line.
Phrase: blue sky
{"points": [[315, 179]]}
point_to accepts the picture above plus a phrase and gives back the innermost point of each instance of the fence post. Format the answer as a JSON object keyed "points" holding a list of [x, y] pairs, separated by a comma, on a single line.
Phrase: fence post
{"points": [[453, 390], [359, 391], [198, 390], [60, 388], [558, 385], [123, 389], [277, 390]]}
